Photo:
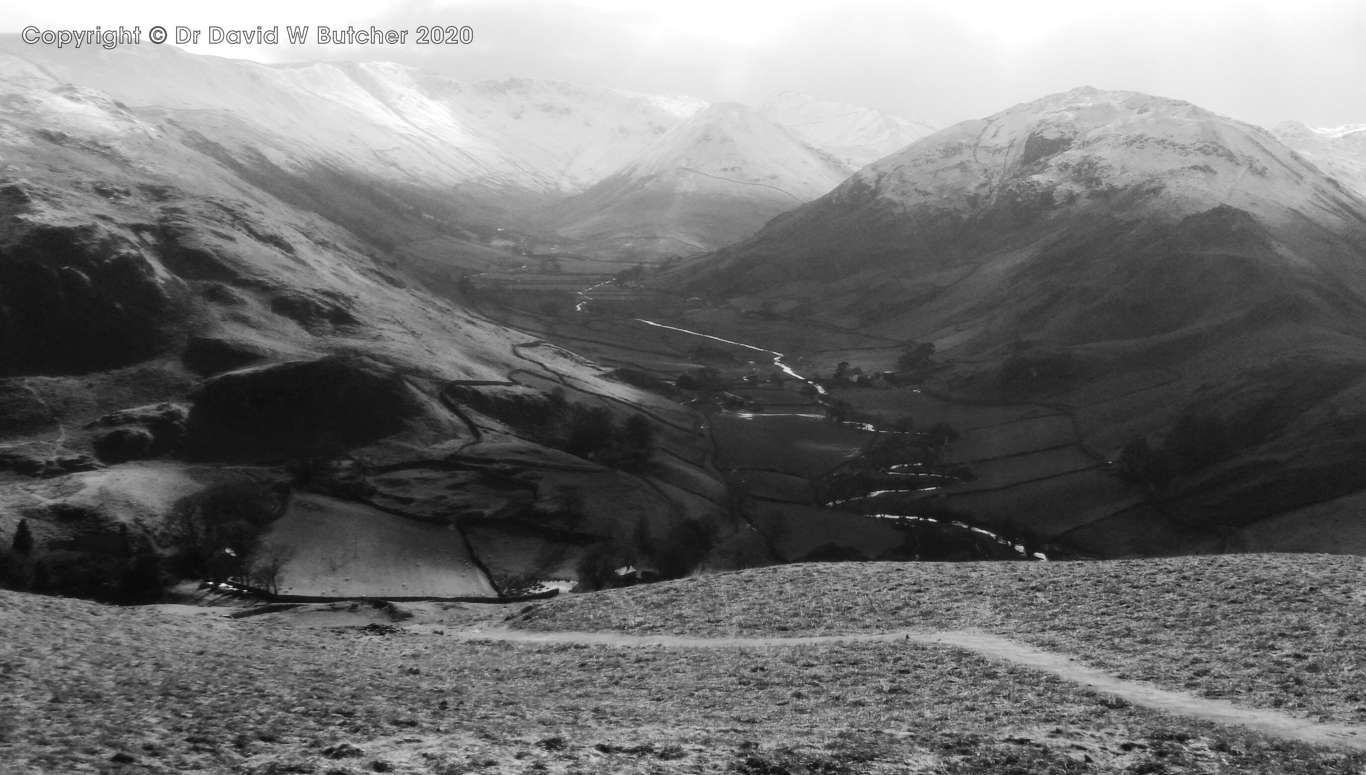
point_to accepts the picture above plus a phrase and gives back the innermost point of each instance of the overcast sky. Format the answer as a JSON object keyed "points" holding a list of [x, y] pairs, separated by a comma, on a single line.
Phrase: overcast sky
{"points": [[943, 60]]}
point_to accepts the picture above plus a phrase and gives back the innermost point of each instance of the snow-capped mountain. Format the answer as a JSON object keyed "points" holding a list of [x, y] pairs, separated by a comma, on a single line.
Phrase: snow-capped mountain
{"points": [[475, 156], [1065, 163], [389, 121], [714, 179], [1339, 151], [1126, 256], [857, 136]]}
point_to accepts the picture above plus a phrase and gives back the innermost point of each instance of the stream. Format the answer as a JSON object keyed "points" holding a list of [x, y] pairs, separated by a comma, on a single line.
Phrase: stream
{"points": [[777, 356], [821, 394]]}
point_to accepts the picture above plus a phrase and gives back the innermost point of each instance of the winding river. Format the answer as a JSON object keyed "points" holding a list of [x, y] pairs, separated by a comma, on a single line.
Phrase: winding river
{"points": [[780, 363]]}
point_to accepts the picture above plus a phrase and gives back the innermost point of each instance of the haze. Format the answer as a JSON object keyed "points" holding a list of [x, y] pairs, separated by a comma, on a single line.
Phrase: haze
{"points": [[1262, 62]]}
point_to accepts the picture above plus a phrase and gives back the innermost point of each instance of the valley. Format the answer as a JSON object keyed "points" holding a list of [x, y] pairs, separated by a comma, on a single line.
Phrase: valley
{"points": [[1097, 325], [358, 418]]}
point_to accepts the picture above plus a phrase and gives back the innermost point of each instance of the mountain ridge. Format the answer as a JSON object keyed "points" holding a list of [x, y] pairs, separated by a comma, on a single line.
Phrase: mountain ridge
{"points": [[1130, 258]]}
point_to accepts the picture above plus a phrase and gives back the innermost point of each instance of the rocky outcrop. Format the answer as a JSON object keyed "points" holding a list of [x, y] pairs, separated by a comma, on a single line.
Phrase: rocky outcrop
{"points": [[75, 300], [299, 409]]}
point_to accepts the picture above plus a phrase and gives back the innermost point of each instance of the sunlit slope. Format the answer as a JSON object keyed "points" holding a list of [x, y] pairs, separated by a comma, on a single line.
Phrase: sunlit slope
{"points": [[394, 122], [157, 305]]}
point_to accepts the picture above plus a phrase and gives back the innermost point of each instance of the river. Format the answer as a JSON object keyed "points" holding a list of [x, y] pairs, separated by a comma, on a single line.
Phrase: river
{"points": [[821, 393]]}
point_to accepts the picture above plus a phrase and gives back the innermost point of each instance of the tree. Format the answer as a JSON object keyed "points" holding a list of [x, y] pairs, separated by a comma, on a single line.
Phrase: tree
{"points": [[551, 308], [11, 574], [637, 441], [1198, 440], [1139, 463], [140, 581], [917, 357], [597, 567], [590, 431], [23, 539], [940, 434], [641, 537], [268, 565], [42, 577], [837, 410], [687, 544]]}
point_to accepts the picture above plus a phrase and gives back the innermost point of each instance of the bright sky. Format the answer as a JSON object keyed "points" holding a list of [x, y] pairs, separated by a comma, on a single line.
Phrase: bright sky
{"points": [[1262, 61]]}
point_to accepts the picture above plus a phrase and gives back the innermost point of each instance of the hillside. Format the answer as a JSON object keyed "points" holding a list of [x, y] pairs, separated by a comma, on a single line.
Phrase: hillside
{"points": [[1338, 151], [443, 175], [433, 688], [856, 136], [711, 181], [1123, 261], [194, 369]]}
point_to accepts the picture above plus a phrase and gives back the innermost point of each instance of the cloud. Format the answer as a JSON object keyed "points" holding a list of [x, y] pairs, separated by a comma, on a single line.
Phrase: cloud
{"points": [[1257, 60]]}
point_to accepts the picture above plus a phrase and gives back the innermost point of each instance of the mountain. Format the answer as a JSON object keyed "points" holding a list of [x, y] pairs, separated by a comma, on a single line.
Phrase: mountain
{"points": [[441, 171], [854, 135], [390, 121], [1128, 260], [1338, 151], [202, 360], [709, 182], [444, 175]]}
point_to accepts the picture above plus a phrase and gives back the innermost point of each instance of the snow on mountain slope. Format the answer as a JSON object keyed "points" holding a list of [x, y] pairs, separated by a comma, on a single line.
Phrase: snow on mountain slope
{"points": [[1061, 150], [1338, 151], [391, 121], [712, 180], [151, 290], [857, 136], [993, 192], [1127, 257]]}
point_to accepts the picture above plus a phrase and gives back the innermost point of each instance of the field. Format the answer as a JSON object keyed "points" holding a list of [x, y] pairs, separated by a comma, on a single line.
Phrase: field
{"points": [[1013, 438], [927, 410], [794, 444], [346, 549], [440, 689]]}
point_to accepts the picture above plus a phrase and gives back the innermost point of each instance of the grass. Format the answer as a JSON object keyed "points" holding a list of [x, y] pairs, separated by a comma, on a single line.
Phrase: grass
{"points": [[91, 688], [95, 689], [1271, 631], [803, 446]]}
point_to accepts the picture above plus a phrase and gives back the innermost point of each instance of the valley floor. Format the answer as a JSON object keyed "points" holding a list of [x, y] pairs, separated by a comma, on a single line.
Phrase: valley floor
{"points": [[459, 688]]}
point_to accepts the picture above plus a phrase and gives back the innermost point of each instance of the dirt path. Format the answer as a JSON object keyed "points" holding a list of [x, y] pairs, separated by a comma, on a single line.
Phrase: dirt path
{"points": [[1268, 722]]}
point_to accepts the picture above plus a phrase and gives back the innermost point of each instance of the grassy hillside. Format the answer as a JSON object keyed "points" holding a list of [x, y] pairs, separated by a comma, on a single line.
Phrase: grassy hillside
{"points": [[348, 689], [1264, 630]]}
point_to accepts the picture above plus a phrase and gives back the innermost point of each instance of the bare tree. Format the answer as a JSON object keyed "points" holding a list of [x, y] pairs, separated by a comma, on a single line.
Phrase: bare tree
{"points": [[269, 562]]}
